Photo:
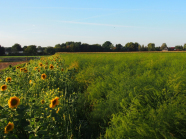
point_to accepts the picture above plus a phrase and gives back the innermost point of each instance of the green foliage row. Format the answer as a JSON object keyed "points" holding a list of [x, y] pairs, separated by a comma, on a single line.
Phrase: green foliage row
{"points": [[135, 95]]}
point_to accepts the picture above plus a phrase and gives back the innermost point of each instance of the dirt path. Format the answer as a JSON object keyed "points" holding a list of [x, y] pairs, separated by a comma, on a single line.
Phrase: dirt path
{"points": [[6, 64]]}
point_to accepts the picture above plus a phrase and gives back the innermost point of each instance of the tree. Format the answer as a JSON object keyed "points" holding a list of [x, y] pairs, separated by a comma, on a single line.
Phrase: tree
{"points": [[8, 49], [58, 48], [137, 45], [49, 50], [16, 48], [179, 47], [130, 46], [151, 47], [107, 46], [163, 46], [184, 47], [39, 50], [2, 50], [31, 50], [157, 48], [118, 47]]}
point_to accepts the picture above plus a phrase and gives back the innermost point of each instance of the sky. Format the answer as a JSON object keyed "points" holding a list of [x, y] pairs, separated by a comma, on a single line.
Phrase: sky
{"points": [[50, 22]]}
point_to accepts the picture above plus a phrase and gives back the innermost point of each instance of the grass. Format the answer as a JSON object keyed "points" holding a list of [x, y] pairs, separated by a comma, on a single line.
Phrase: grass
{"points": [[101, 95]]}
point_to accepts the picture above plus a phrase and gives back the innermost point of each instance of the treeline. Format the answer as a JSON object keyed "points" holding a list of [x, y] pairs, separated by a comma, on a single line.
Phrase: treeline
{"points": [[16, 49]]}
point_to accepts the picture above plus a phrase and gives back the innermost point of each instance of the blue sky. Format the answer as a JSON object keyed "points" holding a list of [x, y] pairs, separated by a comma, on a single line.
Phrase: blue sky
{"points": [[49, 22]]}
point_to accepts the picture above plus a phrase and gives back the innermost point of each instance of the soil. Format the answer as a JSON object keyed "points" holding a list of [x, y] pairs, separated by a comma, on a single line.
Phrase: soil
{"points": [[4, 65]]}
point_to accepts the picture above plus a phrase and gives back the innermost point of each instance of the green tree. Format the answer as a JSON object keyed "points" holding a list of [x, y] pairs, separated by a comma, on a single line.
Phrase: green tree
{"points": [[31, 50], [184, 47], [8, 49], [49, 50], [118, 47], [40, 50], [2, 50], [151, 47], [16, 48], [107, 46], [163, 46], [157, 48], [179, 47], [130, 46], [58, 48]]}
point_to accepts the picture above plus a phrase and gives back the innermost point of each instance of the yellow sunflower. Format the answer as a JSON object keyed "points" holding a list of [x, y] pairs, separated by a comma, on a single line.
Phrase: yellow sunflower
{"points": [[38, 70], [3, 87], [25, 70], [40, 64], [13, 102], [9, 127], [62, 69], [43, 76], [54, 102], [42, 101], [35, 68], [8, 79], [17, 67], [51, 66], [22, 69]]}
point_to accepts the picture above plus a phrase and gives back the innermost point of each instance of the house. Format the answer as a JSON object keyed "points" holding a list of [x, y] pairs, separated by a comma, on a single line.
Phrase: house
{"points": [[165, 49], [172, 49]]}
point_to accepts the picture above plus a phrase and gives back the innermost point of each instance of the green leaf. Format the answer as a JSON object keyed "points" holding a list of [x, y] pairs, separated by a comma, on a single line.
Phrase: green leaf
{"points": [[28, 128]]}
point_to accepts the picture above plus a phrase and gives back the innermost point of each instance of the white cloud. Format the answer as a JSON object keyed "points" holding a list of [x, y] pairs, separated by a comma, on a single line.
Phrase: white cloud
{"points": [[95, 24]]}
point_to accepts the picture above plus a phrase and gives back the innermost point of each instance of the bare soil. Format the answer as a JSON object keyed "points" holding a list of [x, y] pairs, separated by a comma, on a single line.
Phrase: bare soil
{"points": [[4, 65]]}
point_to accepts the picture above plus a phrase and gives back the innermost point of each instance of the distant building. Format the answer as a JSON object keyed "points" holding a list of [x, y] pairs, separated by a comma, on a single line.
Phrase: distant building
{"points": [[172, 49], [165, 49]]}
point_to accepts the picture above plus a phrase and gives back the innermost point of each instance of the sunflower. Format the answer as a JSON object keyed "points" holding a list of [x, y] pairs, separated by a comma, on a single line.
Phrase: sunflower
{"points": [[17, 67], [8, 79], [54, 102], [51, 66], [43, 76], [42, 101], [22, 69], [25, 70], [62, 69], [13, 102], [9, 127], [35, 68], [40, 64], [3, 87], [38, 70]]}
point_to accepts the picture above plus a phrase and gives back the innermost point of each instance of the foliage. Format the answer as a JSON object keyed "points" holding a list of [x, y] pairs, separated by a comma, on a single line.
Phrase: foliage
{"points": [[2, 51], [163, 46], [15, 48], [151, 47], [31, 50], [123, 95]]}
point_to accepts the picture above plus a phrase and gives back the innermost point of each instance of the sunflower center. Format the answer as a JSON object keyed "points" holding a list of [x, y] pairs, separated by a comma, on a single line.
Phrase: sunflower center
{"points": [[9, 127], [3, 87], [14, 102], [54, 102]]}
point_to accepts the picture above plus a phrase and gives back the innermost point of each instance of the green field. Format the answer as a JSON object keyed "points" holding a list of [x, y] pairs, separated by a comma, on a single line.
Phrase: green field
{"points": [[101, 95]]}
